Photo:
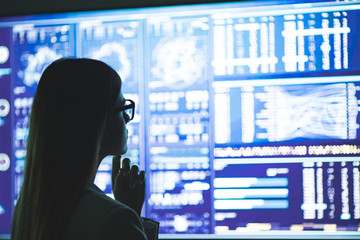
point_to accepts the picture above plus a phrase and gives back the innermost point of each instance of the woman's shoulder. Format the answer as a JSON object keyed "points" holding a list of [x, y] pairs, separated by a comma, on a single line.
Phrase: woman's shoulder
{"points": [[95, 204], [99, 201], [94, 211]]}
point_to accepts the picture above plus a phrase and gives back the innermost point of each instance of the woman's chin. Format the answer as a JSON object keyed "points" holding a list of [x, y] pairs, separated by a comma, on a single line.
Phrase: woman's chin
{"points": [[124, 150]]}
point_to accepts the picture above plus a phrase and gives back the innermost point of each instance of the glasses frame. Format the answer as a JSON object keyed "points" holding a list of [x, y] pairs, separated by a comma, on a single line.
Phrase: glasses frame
{"points": [[126, 107]]}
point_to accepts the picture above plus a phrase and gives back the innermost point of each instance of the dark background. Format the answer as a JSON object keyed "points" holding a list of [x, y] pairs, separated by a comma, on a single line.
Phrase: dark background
{"points": [[25, 7]]}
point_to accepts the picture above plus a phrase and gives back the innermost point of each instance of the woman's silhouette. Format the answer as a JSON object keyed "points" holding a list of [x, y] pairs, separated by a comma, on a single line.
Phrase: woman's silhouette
{"points": [[78, 117]]}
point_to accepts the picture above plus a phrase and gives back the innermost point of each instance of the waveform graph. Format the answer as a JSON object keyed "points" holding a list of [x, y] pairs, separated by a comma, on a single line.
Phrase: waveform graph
{"points": [[308, 111]]}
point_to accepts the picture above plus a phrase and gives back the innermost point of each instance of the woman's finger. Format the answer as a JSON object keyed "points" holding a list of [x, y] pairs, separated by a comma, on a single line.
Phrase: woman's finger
{"points": [[115, 168], [141, 178], [126, 164], [134, 175]]}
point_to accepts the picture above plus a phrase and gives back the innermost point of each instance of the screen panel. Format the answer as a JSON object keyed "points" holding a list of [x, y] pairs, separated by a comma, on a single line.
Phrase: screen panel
{"points": [[247, 117], [179, 124]]}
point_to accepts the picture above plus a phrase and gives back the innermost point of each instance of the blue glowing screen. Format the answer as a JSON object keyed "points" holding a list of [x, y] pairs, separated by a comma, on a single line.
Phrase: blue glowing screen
{"points": [[247, 120]]}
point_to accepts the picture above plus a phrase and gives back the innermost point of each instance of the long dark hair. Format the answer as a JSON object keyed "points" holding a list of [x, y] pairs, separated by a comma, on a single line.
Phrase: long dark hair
{"points": [[67, 121]]}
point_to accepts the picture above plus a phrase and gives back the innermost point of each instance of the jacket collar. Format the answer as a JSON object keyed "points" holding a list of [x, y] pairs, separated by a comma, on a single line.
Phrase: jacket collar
{"points": [[94, 188]]}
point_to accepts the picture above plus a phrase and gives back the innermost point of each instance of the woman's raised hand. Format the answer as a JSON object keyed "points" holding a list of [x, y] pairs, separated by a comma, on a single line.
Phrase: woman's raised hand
{"points": [[128, 184]]}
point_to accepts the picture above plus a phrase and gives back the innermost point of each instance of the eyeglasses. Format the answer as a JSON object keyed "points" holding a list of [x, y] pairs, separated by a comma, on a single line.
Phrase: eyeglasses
{"points": [[128, 110]]}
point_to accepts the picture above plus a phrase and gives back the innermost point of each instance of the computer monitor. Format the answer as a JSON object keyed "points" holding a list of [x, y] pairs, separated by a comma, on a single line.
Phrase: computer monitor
{"points": [[248, 112]]}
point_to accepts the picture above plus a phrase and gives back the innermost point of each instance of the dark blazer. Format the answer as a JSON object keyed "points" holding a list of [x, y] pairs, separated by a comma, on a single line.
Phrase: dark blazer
{"points": [[99, 217]]}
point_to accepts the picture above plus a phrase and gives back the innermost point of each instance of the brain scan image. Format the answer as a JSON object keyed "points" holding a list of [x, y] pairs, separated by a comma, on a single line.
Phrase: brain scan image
{"points": [[115, 55], [36, 64], [178, 63]]}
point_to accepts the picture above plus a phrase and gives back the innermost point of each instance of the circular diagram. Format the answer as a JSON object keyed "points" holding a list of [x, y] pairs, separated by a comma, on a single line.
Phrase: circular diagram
{"points": [[115, 55], [4, 162], [4, 107], [4, 54], [178, 62]]}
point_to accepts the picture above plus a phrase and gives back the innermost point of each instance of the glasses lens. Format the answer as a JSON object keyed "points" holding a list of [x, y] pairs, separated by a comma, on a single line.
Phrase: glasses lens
{"points": [[130, 113]]}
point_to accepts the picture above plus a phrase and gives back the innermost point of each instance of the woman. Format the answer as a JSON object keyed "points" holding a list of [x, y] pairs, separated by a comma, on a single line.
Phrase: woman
{"points": [[78, 117]]}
